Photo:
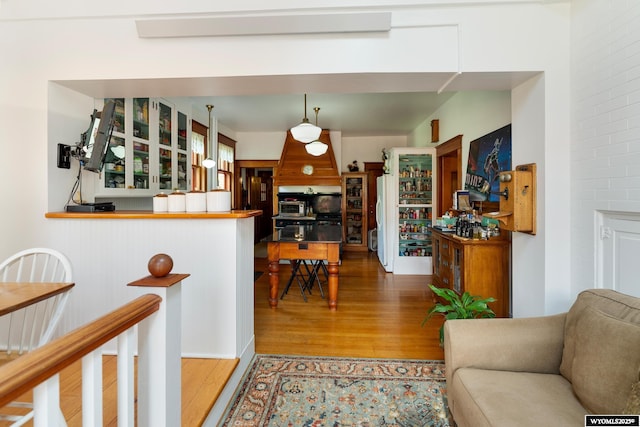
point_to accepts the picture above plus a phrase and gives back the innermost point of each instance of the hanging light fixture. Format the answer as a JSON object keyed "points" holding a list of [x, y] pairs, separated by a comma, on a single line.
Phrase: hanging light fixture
{"points": [[305, 132], [210, 161], [317, 147]]}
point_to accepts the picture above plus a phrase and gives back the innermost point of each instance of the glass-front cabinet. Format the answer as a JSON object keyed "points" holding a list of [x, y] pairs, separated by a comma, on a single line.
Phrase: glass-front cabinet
{"points": [[141, 146], [114, 171], [165, 145], [148, 152], [182, 152], [354, 205], [414, 170], [415, 205]]}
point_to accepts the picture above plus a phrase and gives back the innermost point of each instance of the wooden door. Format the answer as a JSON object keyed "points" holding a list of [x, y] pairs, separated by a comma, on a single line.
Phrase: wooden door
{"points": [[374, 169], [261, 195]]}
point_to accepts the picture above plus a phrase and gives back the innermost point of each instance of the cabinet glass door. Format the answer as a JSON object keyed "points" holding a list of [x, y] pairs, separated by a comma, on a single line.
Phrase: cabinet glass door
{"points": [[183, 153], [115, 165], [415, 206], [354, 191], [165, 140], [182, 131], [140, 165]]}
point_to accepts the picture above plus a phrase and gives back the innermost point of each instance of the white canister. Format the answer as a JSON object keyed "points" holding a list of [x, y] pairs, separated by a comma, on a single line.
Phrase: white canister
{"points": [[160, 202], [218, 201], [177, 202], [196, 201]]}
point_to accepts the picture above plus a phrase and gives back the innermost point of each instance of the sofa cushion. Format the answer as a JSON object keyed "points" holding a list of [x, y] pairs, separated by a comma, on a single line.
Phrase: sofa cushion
{"points": [[606, 363], [482, 398], [608, 301]]}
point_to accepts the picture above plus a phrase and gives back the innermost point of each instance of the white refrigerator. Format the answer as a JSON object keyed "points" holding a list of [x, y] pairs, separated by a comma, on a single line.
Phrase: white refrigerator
{"points": [[408, 209], [384, 208]]}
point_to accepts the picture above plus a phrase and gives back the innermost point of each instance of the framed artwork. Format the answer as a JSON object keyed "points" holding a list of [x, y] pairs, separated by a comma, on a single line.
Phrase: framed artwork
{"points": [[488, 156]]}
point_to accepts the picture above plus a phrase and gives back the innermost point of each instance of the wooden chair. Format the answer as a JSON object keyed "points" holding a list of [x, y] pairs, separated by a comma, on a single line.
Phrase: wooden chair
{"points": [[32, 326]]}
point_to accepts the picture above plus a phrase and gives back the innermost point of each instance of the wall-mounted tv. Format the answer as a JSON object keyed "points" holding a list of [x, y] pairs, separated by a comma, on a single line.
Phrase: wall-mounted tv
{"points": [[95, 141]]}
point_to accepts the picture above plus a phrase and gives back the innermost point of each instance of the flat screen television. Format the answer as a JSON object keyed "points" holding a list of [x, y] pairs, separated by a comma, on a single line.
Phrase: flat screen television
{"points": [[95, 141]]}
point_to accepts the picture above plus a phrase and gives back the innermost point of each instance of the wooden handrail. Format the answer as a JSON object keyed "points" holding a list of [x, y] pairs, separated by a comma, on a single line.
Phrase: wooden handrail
{"points": [[31, 369]]}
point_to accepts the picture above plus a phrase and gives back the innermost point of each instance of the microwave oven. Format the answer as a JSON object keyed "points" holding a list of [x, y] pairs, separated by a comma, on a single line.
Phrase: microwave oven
{"points": [[292, 208]]}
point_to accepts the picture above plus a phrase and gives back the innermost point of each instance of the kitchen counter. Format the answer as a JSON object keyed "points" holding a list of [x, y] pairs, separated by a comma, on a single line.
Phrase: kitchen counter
{"points": [[156, 215], [295, 218], [110, 249]]}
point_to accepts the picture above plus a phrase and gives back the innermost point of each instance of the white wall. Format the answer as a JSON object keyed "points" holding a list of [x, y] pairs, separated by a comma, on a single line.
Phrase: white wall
{"points": [[259, 145], [605, 127], [471, 114], [367, 149], [436, 37]]}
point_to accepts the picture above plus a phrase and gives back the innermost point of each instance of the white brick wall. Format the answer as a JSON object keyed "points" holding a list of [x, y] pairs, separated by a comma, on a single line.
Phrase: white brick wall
{"points": [[605, 142]]}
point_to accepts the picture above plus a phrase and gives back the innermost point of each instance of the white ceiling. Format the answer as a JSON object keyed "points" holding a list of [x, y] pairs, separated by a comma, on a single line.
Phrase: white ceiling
{"points": [[356, 104]]}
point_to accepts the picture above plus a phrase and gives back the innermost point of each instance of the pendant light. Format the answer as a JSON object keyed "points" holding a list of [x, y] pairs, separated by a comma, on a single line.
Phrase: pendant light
{"points": [[305, 132], [317, 147], [209, 162]]}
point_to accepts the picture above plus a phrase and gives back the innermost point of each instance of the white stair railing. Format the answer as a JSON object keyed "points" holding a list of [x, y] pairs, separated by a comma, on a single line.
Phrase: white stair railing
{"points": [[157, 316]]}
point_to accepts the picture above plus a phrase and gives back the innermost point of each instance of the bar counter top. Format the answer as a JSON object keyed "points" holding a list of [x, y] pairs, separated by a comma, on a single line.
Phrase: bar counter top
{"points": [[157, 215]]}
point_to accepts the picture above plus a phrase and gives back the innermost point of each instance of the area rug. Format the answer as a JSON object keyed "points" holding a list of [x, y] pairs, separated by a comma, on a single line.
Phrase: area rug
{"points": [[314, 391]]}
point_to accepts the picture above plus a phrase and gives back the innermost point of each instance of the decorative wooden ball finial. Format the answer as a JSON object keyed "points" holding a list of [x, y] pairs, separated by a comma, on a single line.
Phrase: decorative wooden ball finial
{"points": [[160, 265]]}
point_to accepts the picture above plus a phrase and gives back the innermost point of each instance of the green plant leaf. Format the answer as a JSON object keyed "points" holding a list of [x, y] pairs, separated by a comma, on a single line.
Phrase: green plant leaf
{"points": [[465, 306]]}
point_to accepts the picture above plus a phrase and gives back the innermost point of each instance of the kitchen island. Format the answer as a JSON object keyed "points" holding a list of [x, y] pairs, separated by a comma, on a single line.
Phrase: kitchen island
{"points": [[108, 250], [305, 242]]}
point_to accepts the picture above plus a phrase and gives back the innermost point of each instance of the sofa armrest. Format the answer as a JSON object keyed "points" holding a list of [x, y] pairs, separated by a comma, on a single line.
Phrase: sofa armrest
{"points": [[525, 344]]}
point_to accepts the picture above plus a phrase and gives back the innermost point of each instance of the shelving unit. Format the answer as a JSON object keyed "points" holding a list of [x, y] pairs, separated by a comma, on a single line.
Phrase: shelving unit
{"points": [[354, 214], [415, 203], [413, 169]]}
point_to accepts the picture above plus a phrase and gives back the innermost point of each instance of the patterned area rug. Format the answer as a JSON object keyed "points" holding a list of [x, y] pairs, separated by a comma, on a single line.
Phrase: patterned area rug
{"points": [[312, 391]]}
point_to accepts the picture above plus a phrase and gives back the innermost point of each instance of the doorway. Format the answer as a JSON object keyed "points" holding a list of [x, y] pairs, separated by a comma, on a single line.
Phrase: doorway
{"points": [[449, 179], [254, 190]]}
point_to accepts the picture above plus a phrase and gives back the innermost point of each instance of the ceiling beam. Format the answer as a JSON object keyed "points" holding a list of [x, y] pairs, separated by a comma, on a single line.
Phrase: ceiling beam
{"points": [[264, 25]]}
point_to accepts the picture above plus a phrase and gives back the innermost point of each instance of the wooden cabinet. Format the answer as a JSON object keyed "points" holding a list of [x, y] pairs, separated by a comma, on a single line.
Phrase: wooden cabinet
{"points": [[148, 151], [480, 267], [354, 210]]}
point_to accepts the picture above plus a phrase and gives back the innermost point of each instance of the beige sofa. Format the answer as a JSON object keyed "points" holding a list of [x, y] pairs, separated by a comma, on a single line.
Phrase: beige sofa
{"points": [[546, 371]]}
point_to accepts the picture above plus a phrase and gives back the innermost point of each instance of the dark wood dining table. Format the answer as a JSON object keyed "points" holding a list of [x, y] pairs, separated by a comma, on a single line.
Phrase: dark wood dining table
{"points": [[305, 242], [17, 295]]}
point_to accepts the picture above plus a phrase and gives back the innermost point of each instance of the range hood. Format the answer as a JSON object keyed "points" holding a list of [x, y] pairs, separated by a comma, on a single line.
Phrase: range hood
{"points": [[295, 161]]}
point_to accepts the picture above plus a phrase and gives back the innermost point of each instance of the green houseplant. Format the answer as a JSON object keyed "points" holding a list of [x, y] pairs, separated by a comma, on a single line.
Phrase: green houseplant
{"points": [[463, 306]]}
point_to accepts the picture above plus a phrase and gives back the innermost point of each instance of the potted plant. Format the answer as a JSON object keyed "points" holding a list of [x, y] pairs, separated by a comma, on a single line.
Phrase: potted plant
{"points": [[463, 306]]}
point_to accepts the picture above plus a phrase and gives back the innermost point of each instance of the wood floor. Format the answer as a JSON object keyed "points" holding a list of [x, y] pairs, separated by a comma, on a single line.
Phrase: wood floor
{"points": [[379, 315]]}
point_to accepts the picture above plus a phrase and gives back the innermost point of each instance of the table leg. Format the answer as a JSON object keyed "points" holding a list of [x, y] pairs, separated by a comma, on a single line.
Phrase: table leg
{"points": [[274, 279], [273, 255], [333, 285]]}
